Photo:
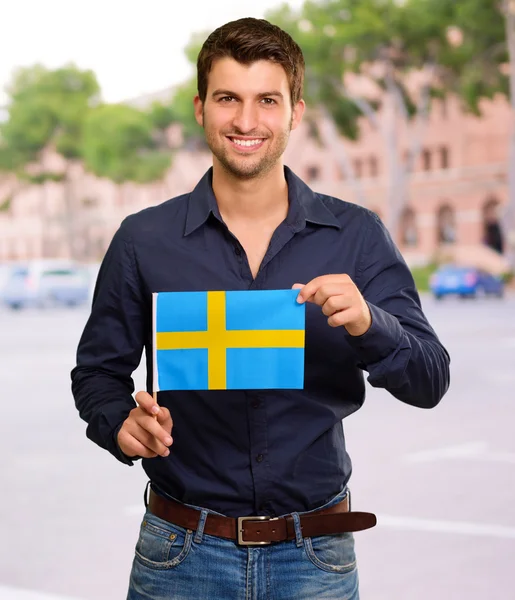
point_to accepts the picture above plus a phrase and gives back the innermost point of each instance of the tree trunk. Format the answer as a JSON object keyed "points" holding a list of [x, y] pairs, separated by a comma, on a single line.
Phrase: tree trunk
{"points": [[69, 215], [332, 139], [45, 221], [390, 129]]}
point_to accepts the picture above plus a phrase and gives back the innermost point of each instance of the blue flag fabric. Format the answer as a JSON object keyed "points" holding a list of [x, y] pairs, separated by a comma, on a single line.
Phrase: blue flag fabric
{"points": [[228, 340]]}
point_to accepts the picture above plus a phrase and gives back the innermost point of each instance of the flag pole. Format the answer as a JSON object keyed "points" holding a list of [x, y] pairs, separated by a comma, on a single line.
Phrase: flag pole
{"points": [[154, 348]]}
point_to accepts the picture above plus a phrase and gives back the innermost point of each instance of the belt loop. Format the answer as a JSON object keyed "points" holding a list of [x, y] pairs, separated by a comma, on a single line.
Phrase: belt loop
{"points": [[298, 529], [145, 494], [200, 527]]}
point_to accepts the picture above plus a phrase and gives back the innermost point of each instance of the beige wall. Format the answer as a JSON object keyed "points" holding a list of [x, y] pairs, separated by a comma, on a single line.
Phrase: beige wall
{"points": [[476, 151]]}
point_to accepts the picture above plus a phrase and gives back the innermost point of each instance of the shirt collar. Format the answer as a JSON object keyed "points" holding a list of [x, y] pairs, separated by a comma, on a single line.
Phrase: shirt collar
{"points": [[304, 204]]}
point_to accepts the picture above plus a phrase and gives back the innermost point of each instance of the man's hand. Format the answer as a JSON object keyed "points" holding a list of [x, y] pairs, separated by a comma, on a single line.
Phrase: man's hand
{"points": [[146, 432], [340, 300]]}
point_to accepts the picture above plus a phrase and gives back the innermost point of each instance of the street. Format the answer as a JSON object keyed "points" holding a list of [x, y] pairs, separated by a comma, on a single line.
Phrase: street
{"points": [[442, 482]]}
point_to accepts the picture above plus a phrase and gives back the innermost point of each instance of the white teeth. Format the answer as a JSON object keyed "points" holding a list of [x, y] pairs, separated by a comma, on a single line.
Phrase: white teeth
{"points": [[247, 142]]}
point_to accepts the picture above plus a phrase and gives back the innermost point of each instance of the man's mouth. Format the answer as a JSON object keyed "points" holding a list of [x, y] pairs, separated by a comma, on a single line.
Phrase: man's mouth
{"points": [[246, 143]]}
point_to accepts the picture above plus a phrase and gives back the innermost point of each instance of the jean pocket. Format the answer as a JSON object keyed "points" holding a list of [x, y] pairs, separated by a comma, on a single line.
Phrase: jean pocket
{"points": [[332, 553], [162, 545]]}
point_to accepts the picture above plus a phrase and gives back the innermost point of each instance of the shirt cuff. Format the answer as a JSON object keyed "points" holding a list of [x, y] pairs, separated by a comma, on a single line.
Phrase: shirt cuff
{"points": [[117, 451], [380, 340]]}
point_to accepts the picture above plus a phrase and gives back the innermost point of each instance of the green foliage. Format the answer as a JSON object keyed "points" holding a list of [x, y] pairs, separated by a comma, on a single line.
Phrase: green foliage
{"points": [[5, 205], [61, 108], [182, 104], [119, 144], [46, 107], [161, 116], [40, 177], [339, 37], [422, 275]]}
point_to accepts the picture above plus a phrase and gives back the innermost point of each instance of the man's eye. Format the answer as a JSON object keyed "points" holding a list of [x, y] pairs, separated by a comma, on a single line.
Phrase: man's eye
{"points": [[268, 101], [226, 99]]}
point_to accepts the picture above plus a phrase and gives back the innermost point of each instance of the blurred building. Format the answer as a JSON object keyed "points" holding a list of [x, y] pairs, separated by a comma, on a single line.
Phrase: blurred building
{"points": [[458, 186]]}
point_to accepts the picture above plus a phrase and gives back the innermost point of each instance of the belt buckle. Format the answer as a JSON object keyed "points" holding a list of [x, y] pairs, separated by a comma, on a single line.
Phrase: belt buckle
{"points": [[241, 541]]}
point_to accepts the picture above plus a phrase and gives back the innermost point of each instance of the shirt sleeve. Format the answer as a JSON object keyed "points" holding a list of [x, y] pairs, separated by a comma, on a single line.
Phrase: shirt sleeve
{"points": [[400, 351], [111, 347]]}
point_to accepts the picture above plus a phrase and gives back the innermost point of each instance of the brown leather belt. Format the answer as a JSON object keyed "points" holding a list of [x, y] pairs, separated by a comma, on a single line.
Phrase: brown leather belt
{"points": [[257, 531]]}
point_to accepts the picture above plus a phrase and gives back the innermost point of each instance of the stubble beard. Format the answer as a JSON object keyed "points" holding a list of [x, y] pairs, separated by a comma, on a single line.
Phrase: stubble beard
{"points": [[247, 167]]}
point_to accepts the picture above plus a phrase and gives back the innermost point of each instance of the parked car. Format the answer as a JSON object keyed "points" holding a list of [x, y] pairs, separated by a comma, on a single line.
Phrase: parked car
{"points": [[45, 283], [466, 282], [5, 273]]}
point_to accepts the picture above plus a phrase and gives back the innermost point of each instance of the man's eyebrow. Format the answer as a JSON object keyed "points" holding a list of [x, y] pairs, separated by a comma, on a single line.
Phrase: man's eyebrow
{"points": [[221, 92], [269, 94]]}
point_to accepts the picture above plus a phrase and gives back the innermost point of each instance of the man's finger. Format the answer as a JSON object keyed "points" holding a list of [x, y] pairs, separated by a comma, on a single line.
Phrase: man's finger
{"points": [[164, 418], [132, 447], [336, 304], [311, 288], [147, 403], [156, 430], [155, 442], [327, 291]]}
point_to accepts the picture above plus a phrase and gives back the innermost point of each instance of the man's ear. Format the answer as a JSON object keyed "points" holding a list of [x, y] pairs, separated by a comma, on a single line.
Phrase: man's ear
{"points": [[199, 106], [298, 111]]}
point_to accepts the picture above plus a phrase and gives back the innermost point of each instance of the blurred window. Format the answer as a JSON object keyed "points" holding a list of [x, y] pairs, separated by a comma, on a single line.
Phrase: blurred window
{"points": [[374, 167], [446, 225], [313, 172], [444, 157], [492, 231], [426, 159], [409, 230]]}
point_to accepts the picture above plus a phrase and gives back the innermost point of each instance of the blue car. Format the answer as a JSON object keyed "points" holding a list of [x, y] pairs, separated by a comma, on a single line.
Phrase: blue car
{"points": [[466, 282]]}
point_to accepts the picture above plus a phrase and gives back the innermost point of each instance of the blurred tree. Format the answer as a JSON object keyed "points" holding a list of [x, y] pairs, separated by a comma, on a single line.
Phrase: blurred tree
{"points": [[46, 109], [182, 103], [359, 55], [60, 109], [375, 45], [123, 143], [480, 63]]}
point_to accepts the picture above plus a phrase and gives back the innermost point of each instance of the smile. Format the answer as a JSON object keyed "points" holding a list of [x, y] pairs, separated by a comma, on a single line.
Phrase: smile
{"points": [[246, 145]]}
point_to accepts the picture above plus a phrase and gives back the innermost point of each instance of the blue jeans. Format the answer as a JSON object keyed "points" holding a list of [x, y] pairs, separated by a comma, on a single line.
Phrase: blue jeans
{"points": [[172, 563]]}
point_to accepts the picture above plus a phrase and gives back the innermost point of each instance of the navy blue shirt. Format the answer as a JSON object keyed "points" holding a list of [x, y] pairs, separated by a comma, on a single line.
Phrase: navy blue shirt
{"points": [[255, 452]]}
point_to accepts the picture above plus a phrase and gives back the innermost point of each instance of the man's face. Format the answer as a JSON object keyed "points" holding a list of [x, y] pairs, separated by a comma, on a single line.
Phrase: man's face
{"points": [[247, 115]]}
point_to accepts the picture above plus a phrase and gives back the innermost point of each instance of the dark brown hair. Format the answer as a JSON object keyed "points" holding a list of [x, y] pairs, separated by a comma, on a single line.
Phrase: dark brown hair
{"points": [[249, 40]]}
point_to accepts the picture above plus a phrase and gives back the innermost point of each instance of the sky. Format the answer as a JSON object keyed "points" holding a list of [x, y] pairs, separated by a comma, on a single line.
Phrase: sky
{"points": [[134, 47]]}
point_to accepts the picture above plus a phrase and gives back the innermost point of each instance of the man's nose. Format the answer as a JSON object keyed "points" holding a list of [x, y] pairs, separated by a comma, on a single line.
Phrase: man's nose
{"points": [[246, 117]]}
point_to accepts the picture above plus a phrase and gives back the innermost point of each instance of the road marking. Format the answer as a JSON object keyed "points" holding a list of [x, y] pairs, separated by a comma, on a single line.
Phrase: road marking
{"points": [[499, 377], [471, 451], [435, 526], [11, 593]]}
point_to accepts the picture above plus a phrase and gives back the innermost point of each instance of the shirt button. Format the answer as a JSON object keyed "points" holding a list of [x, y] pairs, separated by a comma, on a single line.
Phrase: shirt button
{"points": [[259, 457], [237, 251], [255, 404]]}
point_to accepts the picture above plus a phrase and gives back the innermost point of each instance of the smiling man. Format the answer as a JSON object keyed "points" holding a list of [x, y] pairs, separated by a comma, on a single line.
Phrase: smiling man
{"points": [[249, 497]]}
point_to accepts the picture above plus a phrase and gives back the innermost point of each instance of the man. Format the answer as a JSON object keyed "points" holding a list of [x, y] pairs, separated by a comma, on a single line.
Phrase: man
{"points": [[251, 224]]}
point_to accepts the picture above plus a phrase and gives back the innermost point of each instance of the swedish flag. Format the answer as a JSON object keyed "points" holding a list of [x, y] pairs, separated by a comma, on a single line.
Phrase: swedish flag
{"points": [[228, 340]]}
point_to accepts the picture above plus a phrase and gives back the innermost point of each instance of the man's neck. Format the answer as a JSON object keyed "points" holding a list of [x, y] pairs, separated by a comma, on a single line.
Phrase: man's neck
{"points": [[259, 199]]}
